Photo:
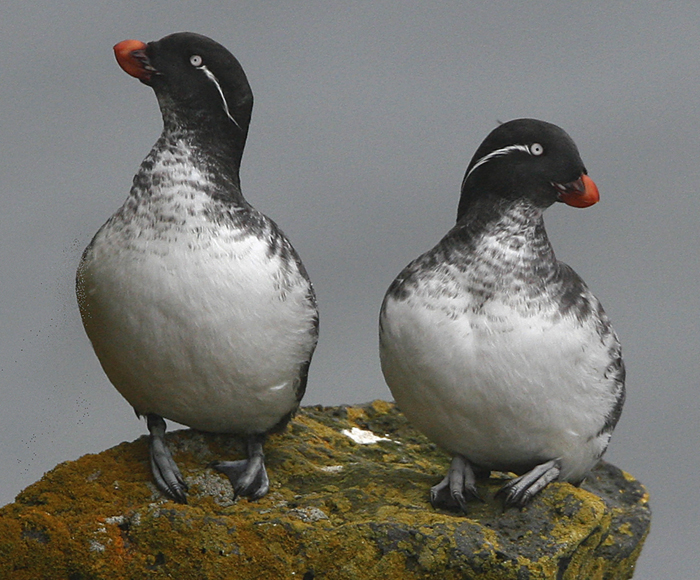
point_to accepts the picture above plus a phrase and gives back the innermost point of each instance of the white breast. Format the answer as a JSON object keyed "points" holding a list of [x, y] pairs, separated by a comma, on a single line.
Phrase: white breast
{"points": [[505, 389], [195, 320]]}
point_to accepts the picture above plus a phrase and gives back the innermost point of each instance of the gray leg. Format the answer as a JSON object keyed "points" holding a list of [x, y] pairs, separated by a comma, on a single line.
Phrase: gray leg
{"points": [[458, 487], [247, 476], [519, 491], [165, 471]]}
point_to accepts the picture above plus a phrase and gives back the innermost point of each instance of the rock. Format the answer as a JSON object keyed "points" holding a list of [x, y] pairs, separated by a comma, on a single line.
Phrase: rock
{"points": [[348, 500]]}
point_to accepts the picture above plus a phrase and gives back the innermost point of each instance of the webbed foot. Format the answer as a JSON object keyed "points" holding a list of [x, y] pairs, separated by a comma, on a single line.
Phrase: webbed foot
{"points": [[165, 471], [519, 491], [457, 488], [247, 476]]}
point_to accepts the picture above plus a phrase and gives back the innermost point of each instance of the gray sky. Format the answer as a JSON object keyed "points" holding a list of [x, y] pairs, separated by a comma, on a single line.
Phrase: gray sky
{"points": [[365, 118]]}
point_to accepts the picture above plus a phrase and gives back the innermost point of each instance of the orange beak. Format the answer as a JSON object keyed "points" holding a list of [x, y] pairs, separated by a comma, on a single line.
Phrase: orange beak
{"points": [[580, 193], [131, 56]]}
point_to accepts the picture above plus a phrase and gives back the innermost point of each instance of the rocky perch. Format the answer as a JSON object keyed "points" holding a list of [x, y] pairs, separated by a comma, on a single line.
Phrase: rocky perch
{"points": [[348, 500]]}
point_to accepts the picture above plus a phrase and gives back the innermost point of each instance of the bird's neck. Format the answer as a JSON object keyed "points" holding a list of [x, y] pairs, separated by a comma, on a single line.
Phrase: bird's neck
{"points": [[209, 148], [179, 163], [218, 142], [509, 235]]}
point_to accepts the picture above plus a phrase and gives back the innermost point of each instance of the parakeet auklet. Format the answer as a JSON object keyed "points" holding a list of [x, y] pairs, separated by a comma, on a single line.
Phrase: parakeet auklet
{"points": [[197, 306], [491, 347]]}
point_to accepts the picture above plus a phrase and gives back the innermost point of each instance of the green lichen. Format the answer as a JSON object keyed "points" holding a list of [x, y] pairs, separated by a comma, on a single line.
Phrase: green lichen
{"points": [[336, 510]]}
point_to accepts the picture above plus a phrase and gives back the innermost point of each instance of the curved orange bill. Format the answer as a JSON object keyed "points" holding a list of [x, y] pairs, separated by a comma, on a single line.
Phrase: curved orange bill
{"points": [[580, 193], [131, 56]]}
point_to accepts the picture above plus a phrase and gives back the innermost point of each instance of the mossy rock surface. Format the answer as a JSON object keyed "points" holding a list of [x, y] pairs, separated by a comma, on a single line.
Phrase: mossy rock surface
{"points": [[337, 509]]}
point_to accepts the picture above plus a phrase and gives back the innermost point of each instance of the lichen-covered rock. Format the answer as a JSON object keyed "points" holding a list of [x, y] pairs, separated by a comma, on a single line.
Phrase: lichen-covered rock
{"points": [[348, 500]]}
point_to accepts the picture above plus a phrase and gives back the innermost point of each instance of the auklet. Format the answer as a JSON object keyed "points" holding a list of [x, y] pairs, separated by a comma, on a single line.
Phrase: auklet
{"points": [[496, 351], [197, 306]]}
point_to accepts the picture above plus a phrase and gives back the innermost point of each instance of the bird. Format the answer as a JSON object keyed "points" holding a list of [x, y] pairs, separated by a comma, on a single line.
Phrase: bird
{"points": [[491, 347], [197, 306]]}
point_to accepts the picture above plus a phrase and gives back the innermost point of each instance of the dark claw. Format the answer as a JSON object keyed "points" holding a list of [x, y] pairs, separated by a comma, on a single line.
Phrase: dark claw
{"points": [[519, 492], [457, 488]]}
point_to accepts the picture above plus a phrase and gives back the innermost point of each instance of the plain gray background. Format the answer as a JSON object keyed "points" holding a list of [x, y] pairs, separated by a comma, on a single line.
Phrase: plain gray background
{"points": [[366, 116]]}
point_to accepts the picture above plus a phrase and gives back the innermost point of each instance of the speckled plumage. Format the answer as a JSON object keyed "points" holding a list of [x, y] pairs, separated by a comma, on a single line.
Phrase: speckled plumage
{"points": [[497, 351]]}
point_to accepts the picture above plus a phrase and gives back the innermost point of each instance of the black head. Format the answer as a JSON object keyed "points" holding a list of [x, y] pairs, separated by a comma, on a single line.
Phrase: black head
{"points": [[196, 80], [527, 159]]}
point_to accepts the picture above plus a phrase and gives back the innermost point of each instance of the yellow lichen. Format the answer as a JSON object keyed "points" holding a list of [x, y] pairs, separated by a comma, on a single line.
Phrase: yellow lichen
{"points": [[336, 510]]}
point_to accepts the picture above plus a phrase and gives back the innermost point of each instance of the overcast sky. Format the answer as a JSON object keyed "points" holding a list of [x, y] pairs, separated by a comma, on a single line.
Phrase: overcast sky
{"points": [[366, 115]]}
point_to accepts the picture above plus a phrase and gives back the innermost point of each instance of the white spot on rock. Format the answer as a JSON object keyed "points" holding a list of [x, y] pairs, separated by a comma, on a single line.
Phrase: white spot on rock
{"points": [[309, 514], [332, 468], [362, 436]]}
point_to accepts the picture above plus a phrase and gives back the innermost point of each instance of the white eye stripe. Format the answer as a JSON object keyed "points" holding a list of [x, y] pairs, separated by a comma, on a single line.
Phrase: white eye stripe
{"points": [[210, 75], [496, 153]]}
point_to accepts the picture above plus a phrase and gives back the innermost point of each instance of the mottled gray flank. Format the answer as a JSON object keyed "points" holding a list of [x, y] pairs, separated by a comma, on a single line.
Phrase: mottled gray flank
{"points": [[366, 116]]}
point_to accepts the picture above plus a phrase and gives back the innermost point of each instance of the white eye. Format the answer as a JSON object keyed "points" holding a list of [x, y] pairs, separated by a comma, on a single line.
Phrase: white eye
{"points": [[536, 149], [196, 60]]}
